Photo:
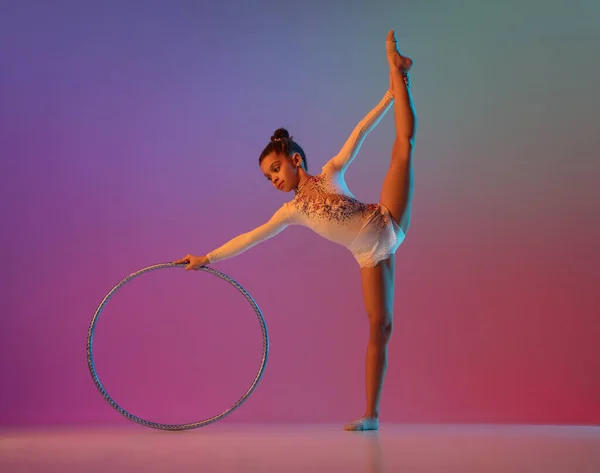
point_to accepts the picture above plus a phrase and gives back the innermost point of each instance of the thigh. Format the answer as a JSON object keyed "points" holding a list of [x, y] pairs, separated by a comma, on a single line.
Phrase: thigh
{"points": [[397, 189], [378, 291]]}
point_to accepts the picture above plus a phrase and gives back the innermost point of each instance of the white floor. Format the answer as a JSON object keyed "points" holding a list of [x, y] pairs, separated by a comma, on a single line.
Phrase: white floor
{"points": [[223, 448]]}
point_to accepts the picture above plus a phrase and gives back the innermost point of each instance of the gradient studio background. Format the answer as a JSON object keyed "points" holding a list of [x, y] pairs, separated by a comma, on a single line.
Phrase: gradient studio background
{"points": [[129, 136]]}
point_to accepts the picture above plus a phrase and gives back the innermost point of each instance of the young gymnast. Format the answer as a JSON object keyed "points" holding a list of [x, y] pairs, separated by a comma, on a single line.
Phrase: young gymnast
{"points": [[323, 202]]}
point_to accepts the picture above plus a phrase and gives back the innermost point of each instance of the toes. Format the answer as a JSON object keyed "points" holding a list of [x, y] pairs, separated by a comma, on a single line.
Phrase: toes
{"points": [[391, 42], [353, 427]]}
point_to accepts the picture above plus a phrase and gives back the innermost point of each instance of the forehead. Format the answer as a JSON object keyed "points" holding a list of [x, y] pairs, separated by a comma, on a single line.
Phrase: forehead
{"points": [[269, 160]]}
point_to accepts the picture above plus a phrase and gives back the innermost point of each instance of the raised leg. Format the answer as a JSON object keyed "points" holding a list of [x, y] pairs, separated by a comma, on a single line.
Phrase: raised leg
{"points": [[398, 184], [378, 295]]}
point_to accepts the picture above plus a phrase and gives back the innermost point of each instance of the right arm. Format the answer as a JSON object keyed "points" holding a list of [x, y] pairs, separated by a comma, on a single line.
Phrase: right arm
{"points": [[278, 222]]}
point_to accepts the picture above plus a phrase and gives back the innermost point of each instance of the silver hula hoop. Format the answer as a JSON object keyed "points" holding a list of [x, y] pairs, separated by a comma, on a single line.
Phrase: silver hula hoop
{"points": [[193, 425]]}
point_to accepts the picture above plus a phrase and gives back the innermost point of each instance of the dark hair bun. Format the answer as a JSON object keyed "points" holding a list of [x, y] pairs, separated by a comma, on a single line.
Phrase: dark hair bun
{"points": [[279, 134]]}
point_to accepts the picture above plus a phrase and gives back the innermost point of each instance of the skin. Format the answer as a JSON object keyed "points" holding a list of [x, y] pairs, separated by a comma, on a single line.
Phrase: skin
{"points": [[286, 173]]}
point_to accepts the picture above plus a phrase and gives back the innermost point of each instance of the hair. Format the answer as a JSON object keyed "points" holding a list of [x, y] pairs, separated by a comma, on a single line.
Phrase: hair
{"points": [[283, 143]]}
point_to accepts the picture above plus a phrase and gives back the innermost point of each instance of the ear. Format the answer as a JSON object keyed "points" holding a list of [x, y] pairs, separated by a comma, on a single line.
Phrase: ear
{"points": [[297, 159]]}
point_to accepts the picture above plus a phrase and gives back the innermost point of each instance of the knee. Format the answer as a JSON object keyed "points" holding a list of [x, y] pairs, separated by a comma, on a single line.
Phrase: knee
{"points": [[402, 149], [381, 329]]}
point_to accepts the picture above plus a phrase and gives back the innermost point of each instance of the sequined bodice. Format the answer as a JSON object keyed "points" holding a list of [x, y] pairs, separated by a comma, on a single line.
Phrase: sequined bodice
{"points": [[323, 205], [318, 200]]}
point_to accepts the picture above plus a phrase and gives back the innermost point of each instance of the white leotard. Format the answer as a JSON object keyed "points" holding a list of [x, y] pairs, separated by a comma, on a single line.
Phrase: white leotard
{"points": [[325, 205]]}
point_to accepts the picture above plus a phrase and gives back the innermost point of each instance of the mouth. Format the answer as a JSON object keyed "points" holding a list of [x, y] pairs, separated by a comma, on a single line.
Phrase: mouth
{"points": [[280, 185]]}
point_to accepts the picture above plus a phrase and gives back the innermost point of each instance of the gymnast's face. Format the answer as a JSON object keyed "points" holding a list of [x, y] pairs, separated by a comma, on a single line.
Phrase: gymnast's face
{"points": [[281, 170]]}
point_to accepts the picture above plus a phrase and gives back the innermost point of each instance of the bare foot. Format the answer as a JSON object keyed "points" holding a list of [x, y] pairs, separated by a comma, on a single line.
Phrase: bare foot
{"points": [[395, 58], [364, 423]]}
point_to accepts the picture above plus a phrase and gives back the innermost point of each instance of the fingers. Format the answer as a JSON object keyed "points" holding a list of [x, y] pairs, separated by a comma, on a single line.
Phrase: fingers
{"points": [[185, 259], [191, 262]]}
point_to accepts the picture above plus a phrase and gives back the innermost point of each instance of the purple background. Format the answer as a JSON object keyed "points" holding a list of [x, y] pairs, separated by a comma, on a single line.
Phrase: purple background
{"points": [[129, 135]]}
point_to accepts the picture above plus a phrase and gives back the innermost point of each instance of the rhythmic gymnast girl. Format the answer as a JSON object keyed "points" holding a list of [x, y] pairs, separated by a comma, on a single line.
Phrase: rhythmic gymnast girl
{"points": [[323, 203]]}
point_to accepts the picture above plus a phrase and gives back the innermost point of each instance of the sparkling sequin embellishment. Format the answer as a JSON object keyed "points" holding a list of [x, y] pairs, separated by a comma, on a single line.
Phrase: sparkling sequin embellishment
{"points": [[316, 201]]}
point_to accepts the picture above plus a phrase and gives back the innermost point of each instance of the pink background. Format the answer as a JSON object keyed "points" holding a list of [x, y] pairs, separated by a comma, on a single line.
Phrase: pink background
{"points": [[129, 136]]}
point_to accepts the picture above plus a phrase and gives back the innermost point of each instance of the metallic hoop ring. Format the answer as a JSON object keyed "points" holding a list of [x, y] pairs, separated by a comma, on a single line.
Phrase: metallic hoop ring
{"points": [[194, 425]]}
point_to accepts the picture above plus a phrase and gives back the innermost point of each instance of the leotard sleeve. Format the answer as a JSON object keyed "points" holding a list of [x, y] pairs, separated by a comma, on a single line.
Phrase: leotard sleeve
{"points": [[279, 221], [350, 149]]}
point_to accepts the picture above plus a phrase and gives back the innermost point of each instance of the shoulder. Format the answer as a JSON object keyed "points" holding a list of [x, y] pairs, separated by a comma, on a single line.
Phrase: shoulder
{"points": [[333, 178], [329, 169]]}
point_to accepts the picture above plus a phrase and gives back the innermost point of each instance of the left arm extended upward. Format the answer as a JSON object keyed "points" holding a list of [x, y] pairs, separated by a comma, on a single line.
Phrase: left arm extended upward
{"points": [[350, 149]]}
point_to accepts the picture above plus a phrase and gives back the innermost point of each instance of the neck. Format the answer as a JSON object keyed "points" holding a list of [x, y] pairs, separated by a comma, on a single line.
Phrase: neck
{"points": [[302, 177]]}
